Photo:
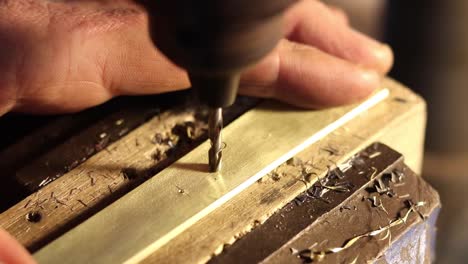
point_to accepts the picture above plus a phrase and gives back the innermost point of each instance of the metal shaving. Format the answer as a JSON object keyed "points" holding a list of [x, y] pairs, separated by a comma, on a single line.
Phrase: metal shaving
{"points": [[355, 260], [387, 235], [338, 173], [397, 176], [328, 183], [119, 122], [374, 173], [310, 255], [46, 181], [377, 202], [381, 187], [345, 166], [344, 187]]}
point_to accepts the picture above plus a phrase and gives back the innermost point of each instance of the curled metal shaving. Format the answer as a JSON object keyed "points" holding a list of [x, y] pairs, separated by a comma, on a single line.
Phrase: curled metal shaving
{"points": [[313, 255]]}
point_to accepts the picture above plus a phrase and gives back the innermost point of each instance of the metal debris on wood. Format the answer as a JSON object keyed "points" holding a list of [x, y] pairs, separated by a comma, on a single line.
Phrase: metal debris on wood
{"points": [[45, 182], [299, 200], [333, 181], [119, 122], [310, 255], [376, 201], [397, 176], [383, 185], [49, 179]]}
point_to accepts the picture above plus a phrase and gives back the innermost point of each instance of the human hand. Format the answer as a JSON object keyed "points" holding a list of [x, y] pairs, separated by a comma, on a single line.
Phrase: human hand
{"points": [[11, 252], [69, 55], [65, 56]]}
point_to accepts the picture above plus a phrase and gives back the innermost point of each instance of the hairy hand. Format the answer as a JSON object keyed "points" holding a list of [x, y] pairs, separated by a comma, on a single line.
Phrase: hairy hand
{"points": [[65, 56]]}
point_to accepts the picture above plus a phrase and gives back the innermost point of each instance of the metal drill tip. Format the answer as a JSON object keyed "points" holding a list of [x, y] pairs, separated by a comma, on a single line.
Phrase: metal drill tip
{"points": [[215, 125]]}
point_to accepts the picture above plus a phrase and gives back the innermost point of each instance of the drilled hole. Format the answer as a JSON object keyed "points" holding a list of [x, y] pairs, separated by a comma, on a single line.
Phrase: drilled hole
{"points": [[34, 217]]}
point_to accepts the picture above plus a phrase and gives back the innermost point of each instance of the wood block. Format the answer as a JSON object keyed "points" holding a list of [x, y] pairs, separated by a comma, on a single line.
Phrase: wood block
{"points": [[398, 121], [374, 209]]}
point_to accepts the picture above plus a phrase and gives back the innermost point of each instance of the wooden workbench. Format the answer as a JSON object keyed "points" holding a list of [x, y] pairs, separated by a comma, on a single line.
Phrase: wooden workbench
{"points": [[85, 171]]}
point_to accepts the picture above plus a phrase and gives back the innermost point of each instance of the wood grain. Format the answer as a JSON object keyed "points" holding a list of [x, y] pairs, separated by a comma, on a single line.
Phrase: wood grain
{"points": [[92, 184], [183, 193], [399, 123]]}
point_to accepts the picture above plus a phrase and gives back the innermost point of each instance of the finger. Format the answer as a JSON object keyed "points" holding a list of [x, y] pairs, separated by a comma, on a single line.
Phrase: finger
{"points": [[134, 66], [108, 51], [312, 22], [12, 252], [340, 14], [308, 77]]}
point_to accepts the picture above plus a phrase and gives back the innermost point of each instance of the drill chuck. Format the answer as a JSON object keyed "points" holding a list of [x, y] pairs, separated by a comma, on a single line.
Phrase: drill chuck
{"points": [[215, 90], [214, 40]]}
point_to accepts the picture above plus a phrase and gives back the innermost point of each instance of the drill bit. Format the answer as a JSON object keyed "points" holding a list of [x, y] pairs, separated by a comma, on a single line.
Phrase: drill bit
{"points": [[215, 125]]}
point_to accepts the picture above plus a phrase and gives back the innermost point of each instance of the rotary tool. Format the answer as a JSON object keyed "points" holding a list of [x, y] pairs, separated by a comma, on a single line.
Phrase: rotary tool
{"points": [[214, 41]]}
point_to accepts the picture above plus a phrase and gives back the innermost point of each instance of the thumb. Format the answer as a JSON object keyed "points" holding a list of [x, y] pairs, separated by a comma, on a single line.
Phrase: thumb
{"points": [[11, 252]]}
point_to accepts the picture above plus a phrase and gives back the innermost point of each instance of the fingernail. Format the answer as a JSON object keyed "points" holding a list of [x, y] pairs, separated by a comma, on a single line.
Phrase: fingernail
{"points": [[384, 55], [370, 75], [370, 79]]}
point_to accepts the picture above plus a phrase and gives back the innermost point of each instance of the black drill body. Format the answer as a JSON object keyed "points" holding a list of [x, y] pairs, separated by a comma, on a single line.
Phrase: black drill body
{"points": [[214, 40]]}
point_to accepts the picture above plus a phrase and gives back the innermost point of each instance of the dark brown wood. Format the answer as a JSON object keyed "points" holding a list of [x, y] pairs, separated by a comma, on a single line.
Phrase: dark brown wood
{"points": [[60, 143], [341, 214]]}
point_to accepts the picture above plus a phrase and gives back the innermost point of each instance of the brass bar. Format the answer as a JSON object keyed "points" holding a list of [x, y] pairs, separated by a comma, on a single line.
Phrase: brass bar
{"points": [[151, 215]]}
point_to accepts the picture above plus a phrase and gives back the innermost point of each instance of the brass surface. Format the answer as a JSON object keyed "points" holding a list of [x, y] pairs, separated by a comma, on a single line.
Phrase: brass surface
{"points": [[148, 217]]}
